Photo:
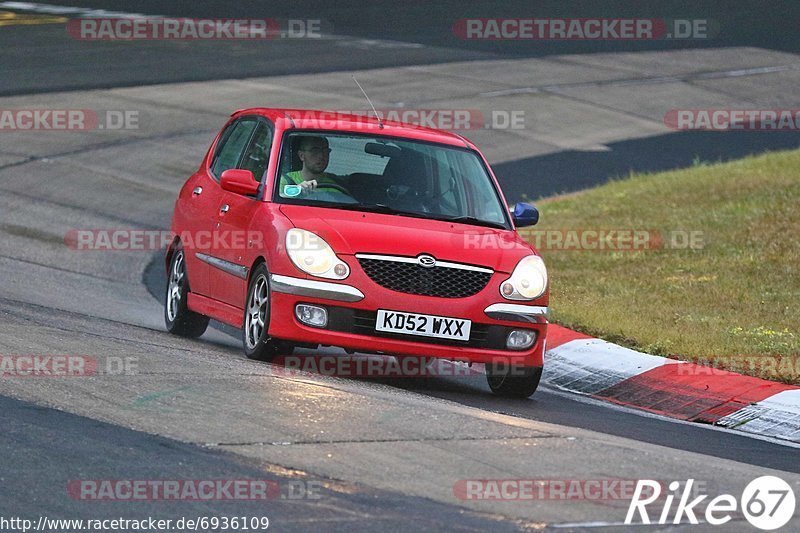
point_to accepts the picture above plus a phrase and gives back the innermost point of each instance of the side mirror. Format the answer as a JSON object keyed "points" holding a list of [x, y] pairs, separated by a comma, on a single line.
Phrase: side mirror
{"points": [[524, 215], [239, 181]]}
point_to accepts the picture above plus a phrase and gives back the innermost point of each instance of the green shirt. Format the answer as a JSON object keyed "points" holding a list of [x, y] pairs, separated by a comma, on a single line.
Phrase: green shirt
{"points": [[296, 178]]}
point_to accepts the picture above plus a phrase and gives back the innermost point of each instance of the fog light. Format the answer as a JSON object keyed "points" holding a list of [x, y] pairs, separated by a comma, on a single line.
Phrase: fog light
{"points": [[520, 339], [508, 289], [311, 315], [341, 270]]}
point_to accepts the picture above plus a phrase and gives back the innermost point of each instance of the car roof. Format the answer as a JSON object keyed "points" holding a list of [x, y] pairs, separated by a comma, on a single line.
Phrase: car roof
{"points": [[314, 119]]}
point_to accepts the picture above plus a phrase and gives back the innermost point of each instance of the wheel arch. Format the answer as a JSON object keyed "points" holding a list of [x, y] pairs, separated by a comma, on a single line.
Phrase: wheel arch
{"points": [[170, 252], [260, 260]]}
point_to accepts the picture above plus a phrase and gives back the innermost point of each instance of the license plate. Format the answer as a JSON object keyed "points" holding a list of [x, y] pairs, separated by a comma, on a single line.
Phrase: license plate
{"points": [[441, 327]]}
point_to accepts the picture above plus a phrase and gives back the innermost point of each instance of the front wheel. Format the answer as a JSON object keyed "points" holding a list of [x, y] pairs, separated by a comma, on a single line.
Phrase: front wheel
{"points": [[257, 343], [177, 316], [513, 381]]}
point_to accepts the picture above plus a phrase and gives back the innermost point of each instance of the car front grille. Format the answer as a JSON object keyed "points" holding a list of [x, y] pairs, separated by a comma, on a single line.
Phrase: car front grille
{"points": [[404, 274]]}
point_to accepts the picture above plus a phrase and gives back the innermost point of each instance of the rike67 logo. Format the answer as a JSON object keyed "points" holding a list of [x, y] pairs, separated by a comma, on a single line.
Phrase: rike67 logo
{"points": [[767, 502]]}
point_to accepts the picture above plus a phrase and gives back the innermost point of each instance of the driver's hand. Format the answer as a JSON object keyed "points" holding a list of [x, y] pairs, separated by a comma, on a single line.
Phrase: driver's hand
{"points": [[308, 186]]}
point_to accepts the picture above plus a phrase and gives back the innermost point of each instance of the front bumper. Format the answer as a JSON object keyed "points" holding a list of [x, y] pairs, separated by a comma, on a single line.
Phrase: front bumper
{"points": [[315, 289], [352, 320]]}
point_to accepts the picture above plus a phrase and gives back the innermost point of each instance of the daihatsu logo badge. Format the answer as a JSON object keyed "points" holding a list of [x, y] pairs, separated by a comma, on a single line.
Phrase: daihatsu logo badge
{"points": [[428, 261]]}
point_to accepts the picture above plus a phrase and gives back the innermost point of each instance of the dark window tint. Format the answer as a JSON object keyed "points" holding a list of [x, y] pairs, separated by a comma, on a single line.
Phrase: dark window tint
{"points": [[232, 145], [256, 157]]}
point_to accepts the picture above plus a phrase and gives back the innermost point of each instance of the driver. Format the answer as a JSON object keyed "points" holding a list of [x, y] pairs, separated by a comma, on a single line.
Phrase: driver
{"points": [[314, 153]]}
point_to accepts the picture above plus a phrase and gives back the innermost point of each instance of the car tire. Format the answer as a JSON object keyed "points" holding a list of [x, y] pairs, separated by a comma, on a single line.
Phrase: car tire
{"points": [[177, 316], [257, 343], [522, 384]]}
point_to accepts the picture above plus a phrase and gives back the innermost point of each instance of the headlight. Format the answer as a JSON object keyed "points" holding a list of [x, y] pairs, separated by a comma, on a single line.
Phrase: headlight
{"points": [[311, 254], [527, 282]]}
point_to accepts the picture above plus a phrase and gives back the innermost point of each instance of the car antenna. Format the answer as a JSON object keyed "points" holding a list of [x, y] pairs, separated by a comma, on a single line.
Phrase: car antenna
{"points": [[380, 124]]}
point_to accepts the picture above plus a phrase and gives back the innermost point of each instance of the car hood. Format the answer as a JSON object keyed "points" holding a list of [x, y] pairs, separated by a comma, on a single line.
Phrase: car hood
{"points": [[352, 232]]}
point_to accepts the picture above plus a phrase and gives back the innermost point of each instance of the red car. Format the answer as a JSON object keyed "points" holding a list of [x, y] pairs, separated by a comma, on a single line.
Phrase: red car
{"points": [[308, 228]]}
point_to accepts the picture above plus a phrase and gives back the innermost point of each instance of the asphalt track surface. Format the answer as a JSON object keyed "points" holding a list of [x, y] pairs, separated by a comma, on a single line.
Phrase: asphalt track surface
{"points": [[51, 448], [387, 452], [369, 35]]}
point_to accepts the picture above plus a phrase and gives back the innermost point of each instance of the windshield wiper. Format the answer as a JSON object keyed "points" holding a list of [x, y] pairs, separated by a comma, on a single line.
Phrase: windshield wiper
{"points": [[472, 220]]}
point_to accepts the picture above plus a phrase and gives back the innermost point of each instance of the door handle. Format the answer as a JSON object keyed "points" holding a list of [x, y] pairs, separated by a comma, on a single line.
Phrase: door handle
{"points": [[197, 191], [224, 208]]}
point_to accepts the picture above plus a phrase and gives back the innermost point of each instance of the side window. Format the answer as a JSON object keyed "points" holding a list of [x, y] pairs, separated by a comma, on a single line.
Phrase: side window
{"points": [[231, 146], [256, 156]]}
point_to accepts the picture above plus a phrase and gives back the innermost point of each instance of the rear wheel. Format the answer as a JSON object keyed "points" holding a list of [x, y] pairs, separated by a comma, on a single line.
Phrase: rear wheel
{"points": [[177, 316], [512, 381], [257, 343]]}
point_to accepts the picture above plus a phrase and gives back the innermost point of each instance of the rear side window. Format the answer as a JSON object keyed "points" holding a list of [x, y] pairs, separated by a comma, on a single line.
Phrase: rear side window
{"points": [[232, 145]]}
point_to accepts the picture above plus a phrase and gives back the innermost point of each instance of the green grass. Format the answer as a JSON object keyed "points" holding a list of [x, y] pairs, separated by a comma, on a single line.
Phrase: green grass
{"points": [[739, 295]]}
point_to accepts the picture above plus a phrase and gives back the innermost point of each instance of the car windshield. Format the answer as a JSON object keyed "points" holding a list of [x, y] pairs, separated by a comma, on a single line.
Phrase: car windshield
{"points": [[368, 173]]}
